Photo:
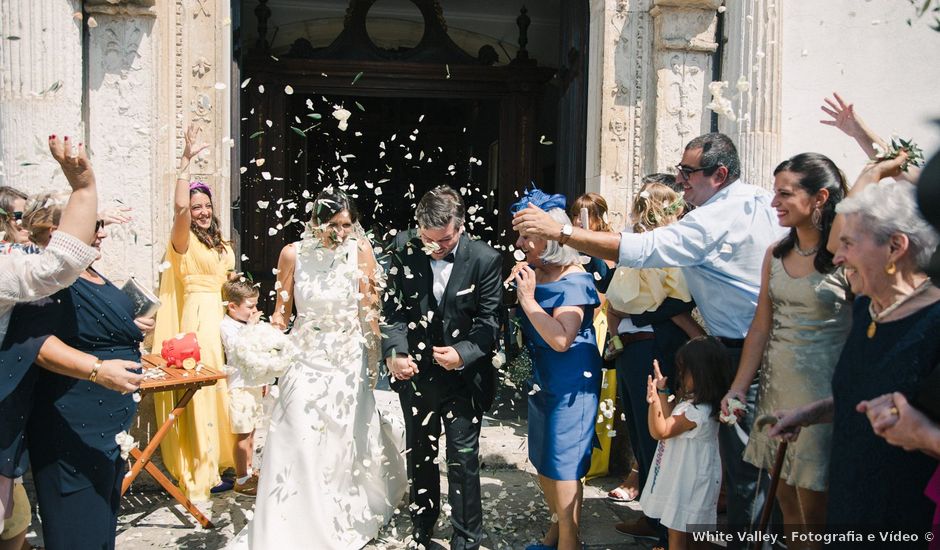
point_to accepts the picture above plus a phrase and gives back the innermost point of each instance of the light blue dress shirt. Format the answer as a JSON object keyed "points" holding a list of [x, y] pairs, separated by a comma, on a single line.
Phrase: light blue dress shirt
{"points": [[720, 247]]}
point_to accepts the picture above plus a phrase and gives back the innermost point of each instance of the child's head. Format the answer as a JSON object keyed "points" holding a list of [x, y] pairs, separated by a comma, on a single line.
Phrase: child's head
{"points": [[703, 371], [655, 205], [241, 297]]}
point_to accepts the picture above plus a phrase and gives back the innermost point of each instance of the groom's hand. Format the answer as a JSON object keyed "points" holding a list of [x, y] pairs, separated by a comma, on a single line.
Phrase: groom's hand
{"points": [[402, 367], [447, 357]]}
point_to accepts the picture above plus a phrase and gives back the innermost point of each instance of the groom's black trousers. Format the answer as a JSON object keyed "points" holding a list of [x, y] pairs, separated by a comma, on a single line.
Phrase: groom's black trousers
{"points": [[426, 408]]}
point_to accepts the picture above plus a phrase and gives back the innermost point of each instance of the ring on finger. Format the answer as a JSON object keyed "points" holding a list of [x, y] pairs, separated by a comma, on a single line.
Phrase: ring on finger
{"points": [[893, 411]]}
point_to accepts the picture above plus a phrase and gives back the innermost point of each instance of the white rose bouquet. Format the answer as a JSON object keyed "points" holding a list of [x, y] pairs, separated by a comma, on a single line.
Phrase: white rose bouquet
{"points": [[261, 353]]}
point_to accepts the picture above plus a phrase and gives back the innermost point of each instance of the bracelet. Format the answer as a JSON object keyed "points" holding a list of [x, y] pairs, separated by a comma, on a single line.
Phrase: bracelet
{"points": [[664, 391], [182, 176], [94, 372]]}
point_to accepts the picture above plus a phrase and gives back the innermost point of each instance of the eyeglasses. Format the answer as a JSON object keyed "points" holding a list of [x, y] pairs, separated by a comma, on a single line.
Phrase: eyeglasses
{"points": [[687, 172], [99, 225]]}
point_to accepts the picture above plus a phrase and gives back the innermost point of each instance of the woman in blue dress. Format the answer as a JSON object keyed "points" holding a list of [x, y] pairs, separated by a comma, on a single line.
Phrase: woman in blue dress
{"points": [[557, 300], [76, 461]]}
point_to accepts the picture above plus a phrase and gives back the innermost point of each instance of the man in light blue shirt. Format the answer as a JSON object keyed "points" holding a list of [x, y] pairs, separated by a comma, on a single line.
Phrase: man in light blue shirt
{"points": [[720, 247]]}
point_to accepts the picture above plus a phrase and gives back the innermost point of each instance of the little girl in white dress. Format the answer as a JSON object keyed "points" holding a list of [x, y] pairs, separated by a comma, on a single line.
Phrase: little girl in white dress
{"points": [[684, 481]]}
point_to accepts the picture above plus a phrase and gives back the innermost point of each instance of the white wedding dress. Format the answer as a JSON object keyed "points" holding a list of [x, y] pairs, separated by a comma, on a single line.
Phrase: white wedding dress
{"points": [[333, 471]]}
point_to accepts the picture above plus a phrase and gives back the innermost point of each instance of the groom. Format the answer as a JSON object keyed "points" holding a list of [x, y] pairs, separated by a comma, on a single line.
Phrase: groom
{"points": [[439, 333]]}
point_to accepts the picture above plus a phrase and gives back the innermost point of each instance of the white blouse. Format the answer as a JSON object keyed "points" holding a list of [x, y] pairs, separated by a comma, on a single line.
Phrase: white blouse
{"points": [[29, 277]]}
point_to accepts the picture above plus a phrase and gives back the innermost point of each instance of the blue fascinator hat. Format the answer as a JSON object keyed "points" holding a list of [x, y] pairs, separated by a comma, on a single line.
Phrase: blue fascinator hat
{"points": [[539, 198]]}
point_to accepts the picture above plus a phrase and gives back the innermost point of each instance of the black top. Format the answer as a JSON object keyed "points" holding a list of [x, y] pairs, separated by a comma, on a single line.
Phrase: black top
{"points": [[74, 421], [604, 274], [873, 483]]}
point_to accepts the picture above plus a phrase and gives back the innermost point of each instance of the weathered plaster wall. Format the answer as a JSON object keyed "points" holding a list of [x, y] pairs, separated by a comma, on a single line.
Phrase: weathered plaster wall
{"points": [[867, 52]]}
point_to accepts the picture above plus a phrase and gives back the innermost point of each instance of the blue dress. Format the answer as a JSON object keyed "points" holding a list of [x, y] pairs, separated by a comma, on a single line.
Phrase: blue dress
{"points": [[75, 459], [563, 410]]}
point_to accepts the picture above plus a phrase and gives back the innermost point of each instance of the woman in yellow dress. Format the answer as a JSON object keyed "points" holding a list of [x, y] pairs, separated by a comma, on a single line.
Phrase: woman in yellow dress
{"points": [[200, 444]]}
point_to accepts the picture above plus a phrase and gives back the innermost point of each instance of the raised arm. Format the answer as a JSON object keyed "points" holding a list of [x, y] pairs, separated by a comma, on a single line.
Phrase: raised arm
{"points": [[78, 217], [871, 173], [182, 218], [532, 220], [756, 342], [845, 119], [284, 287]]}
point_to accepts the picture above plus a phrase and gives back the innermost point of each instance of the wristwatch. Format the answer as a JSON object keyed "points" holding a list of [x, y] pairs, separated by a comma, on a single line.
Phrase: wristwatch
{"points": [[566, 231]]}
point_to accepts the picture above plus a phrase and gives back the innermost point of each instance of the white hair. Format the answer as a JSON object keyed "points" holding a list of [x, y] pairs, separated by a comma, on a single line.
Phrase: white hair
{"points": [[889, 208], [556, 253]]}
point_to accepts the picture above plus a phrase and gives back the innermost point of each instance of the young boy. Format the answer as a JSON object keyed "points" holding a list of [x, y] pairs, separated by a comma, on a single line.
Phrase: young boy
{"points": [[245, 409]]}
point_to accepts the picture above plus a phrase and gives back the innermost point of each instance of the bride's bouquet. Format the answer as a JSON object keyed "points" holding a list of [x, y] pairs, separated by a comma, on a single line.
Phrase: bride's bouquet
{"points": [[261, 353]]}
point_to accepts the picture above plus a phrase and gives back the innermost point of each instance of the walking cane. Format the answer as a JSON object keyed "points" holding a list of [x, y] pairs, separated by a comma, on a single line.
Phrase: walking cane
{"points": [[760, 423]]}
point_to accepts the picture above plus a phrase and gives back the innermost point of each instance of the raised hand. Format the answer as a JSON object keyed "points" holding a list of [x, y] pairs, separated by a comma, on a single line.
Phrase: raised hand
{"points": [[191, 148], [843, 116], [117, 215], [533, 221], [525, 283], [658, 379], [74, 162]]}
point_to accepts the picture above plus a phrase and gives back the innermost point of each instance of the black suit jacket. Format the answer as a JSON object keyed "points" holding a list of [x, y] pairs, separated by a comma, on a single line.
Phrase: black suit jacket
{"points": [[467, 317]]}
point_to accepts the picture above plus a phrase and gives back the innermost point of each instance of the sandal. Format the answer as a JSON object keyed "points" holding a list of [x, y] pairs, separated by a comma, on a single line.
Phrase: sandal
{"points": [[622, 494]]}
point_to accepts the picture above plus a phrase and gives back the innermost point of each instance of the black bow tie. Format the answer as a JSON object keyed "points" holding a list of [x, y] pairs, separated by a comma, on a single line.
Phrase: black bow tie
{"points": [[448, 258]]}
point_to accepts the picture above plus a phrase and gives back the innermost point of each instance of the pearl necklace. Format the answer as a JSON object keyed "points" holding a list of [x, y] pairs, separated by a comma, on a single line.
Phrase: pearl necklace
{"points": [[805, 253], [876, 318]]}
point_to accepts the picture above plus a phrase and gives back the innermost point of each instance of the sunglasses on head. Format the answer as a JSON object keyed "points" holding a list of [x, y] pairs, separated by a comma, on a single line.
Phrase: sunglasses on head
{"points": [[17, 215]]}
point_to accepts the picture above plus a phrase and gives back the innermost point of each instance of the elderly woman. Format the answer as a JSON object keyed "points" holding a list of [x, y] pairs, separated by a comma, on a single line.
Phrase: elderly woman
{"points": [[29, 278], [557, 298], [884, 245], [75, 458]]}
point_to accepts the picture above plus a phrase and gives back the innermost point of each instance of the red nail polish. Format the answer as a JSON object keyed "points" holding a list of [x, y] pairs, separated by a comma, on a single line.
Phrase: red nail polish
{"points": [[66, 138], [52, 136]]}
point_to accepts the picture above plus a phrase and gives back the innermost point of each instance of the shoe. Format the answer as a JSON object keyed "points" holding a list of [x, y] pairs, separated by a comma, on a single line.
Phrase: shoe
{"points": [[639, 529], [622, 494], [248, 488], [422, 537], [225, 485]]}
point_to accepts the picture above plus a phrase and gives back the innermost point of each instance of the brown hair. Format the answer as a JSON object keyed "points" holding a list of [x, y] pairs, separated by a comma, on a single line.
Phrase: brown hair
{"points": [[655, 205], [211, 236], [597, 211], [237, 289]]}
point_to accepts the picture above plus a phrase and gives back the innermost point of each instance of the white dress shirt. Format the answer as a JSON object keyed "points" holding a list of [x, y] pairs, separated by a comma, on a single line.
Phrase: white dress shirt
{"points": [[720, 247], [441, 270]]}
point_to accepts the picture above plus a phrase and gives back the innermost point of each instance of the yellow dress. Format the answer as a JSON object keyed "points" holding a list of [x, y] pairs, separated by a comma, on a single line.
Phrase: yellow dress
{"points": [[200, 444], [631, 291]]}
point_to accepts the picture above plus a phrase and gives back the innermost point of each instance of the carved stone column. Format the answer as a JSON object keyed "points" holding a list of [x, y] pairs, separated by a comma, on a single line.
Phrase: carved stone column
{"points": [[122, 105], [684, 33], [40, 88], [618, 152], [194, 66], [754, 31]]}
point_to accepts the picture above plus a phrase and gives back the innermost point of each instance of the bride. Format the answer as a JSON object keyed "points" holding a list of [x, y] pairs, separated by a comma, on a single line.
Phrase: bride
{"points": [[333, 467]]}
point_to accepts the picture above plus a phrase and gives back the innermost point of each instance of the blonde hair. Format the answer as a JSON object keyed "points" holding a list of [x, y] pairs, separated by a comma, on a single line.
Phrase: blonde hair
{"points": [[43, 212], [655, 205], [8, 196], [597, 211], [237, 289]]}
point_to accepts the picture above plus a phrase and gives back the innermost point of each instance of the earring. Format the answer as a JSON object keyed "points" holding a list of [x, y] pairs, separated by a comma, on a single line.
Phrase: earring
{"points": [[816, 218], [891, 269]]}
